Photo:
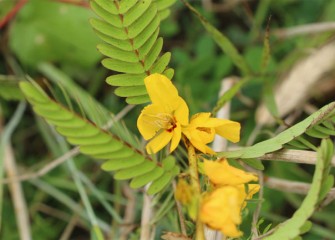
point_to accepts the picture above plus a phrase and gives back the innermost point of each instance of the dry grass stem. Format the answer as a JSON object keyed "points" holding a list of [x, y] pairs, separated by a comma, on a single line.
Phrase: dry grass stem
{"points": [[19, 202], [294, 187], [129, 215], [220, 144], [304, 29], [61, 215], [294, 89], [293, 156], [46, 169], [146, 216]]}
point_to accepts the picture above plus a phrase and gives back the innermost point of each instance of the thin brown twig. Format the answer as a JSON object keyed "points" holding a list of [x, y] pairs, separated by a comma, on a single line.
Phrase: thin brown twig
{"points": [[180, 213], [47, 168], [79, 3], [61, 215], [11, 14], [69, 228]]}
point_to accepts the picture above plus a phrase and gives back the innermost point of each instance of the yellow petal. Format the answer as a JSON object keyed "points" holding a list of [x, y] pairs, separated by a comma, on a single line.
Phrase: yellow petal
{"points": [[175, 137], [193, 136], [202, 147], [229, 130], [146, 121], [158, 142], [221, 173], [182, 112], [199, 119], [161, 91], [221, 210], [231, 230]]}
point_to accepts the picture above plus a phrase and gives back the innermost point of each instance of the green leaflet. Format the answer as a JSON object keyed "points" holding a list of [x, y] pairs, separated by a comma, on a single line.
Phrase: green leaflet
{"points": [[171, 170], [284, 137], [127, 161], [130, 29], [296, 225], [9, 89], [138, 99], [131, 91], [146, 178], [135, 12]]}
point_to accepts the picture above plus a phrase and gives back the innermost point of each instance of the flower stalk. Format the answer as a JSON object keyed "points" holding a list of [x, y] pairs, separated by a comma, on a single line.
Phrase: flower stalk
{"points": [[195, 183]]}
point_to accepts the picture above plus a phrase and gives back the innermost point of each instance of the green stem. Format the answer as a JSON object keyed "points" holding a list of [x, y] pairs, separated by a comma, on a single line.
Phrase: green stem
{"points": [[192, 159]]}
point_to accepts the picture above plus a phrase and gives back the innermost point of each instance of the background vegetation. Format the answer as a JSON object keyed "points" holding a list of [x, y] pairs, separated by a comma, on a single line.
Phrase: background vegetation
{"points": [[53, 43]]}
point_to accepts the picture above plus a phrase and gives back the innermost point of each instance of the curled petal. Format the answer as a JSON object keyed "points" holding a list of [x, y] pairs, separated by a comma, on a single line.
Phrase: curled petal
{"points": [[221, 173], [197, 140], [202, 129], [202, 147], [158, 142], [229, 130]]}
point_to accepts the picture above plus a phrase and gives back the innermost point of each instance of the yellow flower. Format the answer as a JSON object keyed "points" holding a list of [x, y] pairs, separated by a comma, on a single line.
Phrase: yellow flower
{"points": [[222, 174], [162, 120], [203, 128], [221, 209]]}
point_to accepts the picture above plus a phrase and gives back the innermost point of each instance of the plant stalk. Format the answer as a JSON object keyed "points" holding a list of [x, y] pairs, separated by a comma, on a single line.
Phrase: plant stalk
{"points": [[193, 167]]}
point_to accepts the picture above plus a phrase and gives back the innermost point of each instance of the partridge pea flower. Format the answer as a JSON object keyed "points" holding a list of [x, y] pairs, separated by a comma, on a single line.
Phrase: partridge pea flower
{"points": [[162, 120], [202, 130], [221, 173], [221, 209]]}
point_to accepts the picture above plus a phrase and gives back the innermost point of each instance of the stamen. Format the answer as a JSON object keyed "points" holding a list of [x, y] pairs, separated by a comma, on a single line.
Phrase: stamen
{"points": [[162, 120]]}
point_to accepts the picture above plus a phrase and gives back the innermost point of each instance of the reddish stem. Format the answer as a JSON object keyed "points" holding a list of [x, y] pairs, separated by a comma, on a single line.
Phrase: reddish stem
{"points": [[74, 2], [10, 15]]}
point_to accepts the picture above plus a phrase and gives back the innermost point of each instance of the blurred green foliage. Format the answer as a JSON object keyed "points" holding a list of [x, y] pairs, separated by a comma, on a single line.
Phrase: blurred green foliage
{"points": [[59, 33], [46, 31]]}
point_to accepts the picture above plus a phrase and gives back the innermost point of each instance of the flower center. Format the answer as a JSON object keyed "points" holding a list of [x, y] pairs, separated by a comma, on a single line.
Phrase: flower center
{"points": [[166, 121]]}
